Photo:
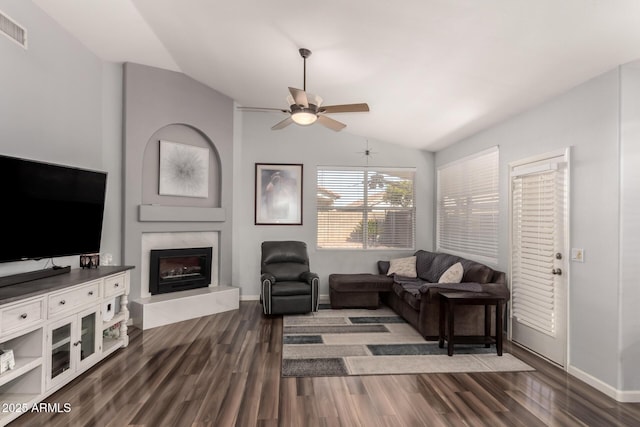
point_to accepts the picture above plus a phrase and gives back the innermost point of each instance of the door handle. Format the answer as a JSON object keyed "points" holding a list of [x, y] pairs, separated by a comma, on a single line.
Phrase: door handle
{"points": [[556, 271]]}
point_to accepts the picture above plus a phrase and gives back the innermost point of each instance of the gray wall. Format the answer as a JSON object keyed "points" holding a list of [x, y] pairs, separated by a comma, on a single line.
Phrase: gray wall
{"points": [[629, 295], [60, 104], [315, 146], [162, 104], [587, 120]]}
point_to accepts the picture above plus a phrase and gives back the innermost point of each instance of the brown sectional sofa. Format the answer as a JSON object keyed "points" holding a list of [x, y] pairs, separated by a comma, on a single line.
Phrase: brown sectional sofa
{"points": [[417, 299]]}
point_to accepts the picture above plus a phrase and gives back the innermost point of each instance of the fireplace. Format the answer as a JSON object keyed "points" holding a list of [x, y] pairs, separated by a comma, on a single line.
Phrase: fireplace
{"points": [[173, 270]]}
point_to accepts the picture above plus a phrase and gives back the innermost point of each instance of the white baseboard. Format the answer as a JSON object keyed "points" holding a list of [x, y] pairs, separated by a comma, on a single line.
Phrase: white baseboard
{"points": [[631, 396]]}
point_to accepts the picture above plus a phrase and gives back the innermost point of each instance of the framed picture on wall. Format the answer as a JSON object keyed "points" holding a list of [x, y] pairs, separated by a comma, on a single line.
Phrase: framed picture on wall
{"points": [[278, 194], [184, 170]]}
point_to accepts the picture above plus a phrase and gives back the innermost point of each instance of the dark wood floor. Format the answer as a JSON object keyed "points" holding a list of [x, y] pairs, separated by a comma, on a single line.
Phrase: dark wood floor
{"points": [[224, 370]]}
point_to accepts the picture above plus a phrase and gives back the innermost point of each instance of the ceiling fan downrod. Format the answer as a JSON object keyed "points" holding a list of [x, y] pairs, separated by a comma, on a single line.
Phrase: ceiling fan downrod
{"points": [[305, 53]]}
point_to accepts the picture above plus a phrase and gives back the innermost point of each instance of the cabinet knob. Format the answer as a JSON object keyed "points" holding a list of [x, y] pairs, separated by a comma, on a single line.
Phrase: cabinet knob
{"points": [[116, 285], [90, 293], [75, 344], [63, 302], [23, 316]]}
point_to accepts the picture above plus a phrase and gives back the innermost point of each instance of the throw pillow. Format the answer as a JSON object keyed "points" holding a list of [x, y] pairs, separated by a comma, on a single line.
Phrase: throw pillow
{"points": [[453, 274], [403, 267]]}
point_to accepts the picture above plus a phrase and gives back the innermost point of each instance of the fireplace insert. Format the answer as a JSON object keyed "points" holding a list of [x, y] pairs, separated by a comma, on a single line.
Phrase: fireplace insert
{"points": [[173, 270]]}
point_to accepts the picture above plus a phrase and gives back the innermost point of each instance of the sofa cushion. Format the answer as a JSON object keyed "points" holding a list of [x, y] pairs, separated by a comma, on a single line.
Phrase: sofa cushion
{"points": [[383, 267], [408, 292], [423, 263], [440, 262], [431, 265], [405, 267], [290, 288], [453, 274], [476, 272], [412, 295], [397, 289]]}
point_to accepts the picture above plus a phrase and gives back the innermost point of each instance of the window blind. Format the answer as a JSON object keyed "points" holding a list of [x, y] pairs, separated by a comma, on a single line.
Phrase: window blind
{"points": [[468, 207], [536, 204], [365, 208]]}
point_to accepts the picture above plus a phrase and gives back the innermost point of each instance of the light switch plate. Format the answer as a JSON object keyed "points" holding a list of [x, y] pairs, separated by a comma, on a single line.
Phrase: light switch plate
{"points": [[577, 254]]}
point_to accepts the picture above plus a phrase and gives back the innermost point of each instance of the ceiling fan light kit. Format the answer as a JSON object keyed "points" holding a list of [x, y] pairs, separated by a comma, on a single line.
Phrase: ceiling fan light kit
{"points": [[305, 108], [304, 118]]}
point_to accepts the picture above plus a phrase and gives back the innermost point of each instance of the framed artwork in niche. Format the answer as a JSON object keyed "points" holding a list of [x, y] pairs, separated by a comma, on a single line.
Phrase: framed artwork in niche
{"points": [[278, 194], [184, 170]]}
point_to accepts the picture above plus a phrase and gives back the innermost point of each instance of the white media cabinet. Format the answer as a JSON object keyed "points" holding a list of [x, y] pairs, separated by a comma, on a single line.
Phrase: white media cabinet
{"points": [[57, 329]]}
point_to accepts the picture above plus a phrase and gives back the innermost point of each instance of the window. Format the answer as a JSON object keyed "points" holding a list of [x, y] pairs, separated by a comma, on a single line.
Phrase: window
{"points": [[365, 208], [467, 218]]}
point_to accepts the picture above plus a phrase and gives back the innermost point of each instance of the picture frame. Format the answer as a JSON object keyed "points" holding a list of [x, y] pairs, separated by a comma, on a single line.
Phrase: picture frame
{"points": [[278, 194], [184, 170]]}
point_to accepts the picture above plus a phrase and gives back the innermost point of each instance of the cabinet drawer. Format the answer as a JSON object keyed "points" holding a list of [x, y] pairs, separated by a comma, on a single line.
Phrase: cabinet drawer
{"points": [[65, 301], [113, 285], [22, 316]]}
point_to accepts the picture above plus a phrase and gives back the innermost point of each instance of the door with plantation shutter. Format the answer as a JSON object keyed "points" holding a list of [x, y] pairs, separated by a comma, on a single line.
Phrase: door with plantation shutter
{"points": [[539, 201]]}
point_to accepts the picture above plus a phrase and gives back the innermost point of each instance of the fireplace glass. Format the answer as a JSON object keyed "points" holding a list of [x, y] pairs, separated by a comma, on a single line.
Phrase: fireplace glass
{"points": [[173, 270]]}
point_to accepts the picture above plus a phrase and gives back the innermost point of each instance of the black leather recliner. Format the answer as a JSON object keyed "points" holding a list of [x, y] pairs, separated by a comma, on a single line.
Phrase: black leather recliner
{"points": [[288, 287]]}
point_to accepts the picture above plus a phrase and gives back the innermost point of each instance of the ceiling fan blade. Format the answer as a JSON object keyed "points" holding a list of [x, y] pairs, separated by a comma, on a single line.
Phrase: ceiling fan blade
{"points": [[299, 96], [314, 99], [331, 123], [262, 109], [345, 108], [283, 124]]}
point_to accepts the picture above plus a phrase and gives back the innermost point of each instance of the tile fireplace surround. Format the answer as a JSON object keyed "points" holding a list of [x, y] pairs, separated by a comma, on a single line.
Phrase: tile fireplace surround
{"points": [[157, 310]]}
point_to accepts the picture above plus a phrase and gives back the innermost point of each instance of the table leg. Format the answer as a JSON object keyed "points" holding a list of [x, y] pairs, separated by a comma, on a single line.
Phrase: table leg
{"points": [[499, 328], [441, 323], [487, 325], [450, 329]]}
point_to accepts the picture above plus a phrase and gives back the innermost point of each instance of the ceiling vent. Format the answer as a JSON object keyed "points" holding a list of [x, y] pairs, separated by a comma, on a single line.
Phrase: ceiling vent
{"points": [[13, 30]]}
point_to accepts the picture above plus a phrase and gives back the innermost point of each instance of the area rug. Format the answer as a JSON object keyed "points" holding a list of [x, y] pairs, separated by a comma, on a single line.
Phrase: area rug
{"points": [[375, 342]]}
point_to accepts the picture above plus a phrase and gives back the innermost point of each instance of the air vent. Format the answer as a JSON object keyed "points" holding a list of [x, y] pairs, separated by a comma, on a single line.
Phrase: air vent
{"points": [[13, 30]]}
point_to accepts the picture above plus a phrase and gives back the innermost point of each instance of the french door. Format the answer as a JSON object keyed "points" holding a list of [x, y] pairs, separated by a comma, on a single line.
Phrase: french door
{"points": [[539, 246]]}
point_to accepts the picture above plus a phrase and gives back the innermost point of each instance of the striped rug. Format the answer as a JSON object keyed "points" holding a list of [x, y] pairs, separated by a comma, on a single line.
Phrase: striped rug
{"points": [[374, 342]]}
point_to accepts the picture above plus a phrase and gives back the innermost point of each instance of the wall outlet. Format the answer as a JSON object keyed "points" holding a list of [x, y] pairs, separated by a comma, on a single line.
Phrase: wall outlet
{"points": [[577, 254]]}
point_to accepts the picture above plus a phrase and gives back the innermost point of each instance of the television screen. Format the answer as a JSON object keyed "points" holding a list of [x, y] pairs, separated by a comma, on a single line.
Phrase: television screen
{"points": [[49, 210]]}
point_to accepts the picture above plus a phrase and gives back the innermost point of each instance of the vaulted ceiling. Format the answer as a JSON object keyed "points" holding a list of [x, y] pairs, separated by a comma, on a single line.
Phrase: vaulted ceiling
{"points": [[432, 71]]}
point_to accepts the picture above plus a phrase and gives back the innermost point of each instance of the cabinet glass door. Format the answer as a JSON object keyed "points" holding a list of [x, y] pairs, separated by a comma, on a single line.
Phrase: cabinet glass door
{"points": [[88, 336], [60, 350]]}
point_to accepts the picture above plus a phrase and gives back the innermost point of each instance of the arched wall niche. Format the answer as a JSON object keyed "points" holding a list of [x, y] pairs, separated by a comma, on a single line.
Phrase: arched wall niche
{"points": [[183, 134]]}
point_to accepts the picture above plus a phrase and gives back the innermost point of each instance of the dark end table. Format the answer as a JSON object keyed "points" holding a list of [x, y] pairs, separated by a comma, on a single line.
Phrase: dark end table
{"points": [[448, 300]]}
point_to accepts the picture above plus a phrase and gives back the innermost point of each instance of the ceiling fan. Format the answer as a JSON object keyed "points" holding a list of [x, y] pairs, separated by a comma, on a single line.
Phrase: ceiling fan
{"points": [[306, 108]]}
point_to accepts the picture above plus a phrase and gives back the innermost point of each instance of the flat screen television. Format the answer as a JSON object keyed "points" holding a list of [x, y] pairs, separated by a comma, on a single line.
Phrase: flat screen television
{"points": [[49, 210]]}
